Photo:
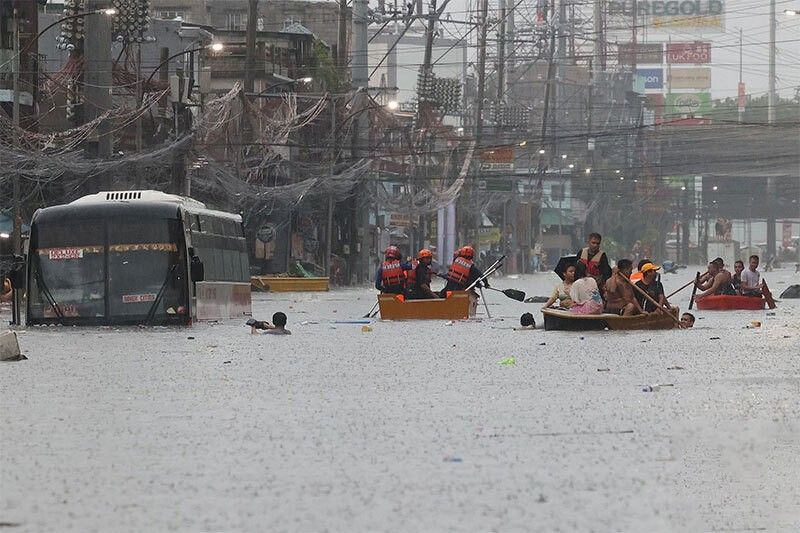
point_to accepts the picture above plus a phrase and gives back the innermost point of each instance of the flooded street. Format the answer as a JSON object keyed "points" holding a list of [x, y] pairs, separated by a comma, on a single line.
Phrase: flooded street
{"points": [[413, 426]]}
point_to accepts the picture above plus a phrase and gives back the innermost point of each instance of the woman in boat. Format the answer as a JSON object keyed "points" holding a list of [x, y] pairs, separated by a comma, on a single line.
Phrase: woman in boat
{"points": [[585, 294], [561, 291]]}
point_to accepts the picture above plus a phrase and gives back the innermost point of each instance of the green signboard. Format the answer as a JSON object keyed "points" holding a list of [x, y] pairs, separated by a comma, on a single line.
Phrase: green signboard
{"points": [[688, 104]]}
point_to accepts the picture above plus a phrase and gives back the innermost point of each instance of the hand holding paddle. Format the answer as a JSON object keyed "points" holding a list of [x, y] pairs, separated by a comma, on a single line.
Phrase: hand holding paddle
{"points": [[683, 287], [652, 301]]}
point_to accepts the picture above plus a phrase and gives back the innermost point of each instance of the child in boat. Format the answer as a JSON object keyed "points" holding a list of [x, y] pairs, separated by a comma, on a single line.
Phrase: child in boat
{"points": [[585, 294], [278, 326]]}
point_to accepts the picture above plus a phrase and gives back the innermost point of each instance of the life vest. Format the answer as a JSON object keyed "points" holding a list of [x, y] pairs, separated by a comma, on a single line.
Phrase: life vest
{"points": [[459, 271], [593, 264], [411, 275], [392, 274]]}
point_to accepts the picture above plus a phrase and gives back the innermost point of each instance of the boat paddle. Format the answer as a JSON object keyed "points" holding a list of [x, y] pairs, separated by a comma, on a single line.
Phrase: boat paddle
{"points": [[679, 290], [369, 314], [767, 295], [652, 301], [694, 291], [514, 294]]}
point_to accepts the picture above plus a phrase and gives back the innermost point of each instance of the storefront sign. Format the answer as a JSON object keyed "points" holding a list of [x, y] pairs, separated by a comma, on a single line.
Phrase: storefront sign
{"points": [[698, 53], [497, 159], [671, 13], [653, 77], [644, 54], [688, 104], [689, 78]]}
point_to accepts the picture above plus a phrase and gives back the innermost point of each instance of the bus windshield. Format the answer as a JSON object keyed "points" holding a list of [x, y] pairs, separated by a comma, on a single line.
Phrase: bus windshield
{"points": [[129, 269]]}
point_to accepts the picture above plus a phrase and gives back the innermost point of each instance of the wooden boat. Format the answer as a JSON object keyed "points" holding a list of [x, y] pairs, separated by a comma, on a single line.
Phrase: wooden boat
{"points": [[288, 284], [558, 319], [457, 306], [723, 302]]}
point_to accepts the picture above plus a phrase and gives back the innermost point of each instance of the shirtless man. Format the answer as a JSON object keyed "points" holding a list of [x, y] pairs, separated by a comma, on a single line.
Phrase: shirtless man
{"points": [[717, 280], [620, 295]]}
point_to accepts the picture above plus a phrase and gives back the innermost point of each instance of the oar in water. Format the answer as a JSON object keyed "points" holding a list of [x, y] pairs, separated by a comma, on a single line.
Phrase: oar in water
{"points": [[679, 290], [514, 294], [694, 291], [652, 301], [369, 315]]}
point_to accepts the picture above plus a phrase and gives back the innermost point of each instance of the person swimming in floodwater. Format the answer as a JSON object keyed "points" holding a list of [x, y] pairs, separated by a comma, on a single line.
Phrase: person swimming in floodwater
{"points": [[278, 326]]}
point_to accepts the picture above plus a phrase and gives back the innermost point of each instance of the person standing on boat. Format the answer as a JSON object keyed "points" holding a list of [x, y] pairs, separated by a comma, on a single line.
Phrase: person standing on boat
{"points": [[561, 291], [650, 285], [585, 294], [463, 272], [418, 277], [595, 260], [620, 296], [391, 275]]}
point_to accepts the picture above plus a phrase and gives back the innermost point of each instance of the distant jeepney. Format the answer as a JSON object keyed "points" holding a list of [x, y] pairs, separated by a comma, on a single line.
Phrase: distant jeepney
{"points": [[136, 257]]}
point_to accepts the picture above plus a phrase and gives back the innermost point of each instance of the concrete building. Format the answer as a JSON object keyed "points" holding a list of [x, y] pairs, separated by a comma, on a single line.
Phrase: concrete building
{"points": [[322, 18]]}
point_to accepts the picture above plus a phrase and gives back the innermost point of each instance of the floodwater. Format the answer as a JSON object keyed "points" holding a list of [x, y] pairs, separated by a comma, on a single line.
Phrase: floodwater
{"points": [[409, 427]]}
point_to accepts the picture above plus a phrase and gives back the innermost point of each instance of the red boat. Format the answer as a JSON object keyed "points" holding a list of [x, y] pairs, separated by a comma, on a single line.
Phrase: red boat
{"points": [[721, 302]]}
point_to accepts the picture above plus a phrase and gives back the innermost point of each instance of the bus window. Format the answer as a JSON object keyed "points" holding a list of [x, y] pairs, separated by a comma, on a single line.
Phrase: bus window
{"points": [[145, 259], [68, 270]]}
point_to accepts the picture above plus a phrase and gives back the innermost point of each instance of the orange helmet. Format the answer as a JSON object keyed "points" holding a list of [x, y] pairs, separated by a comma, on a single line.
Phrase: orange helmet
{"points": [[424, 253], [393, 252], [467, 252]]}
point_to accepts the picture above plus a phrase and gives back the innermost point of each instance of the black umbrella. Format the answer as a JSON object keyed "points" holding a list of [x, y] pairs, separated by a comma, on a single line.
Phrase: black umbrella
{"points": [[563, 263]]}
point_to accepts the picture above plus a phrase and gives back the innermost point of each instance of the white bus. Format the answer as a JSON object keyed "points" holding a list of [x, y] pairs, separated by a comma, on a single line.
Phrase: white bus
{"points": [[135, 257]]}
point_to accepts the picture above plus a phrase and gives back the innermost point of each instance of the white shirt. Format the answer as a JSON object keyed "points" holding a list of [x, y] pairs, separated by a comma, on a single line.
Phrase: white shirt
{"points": [[750, 278], [585, 290]]}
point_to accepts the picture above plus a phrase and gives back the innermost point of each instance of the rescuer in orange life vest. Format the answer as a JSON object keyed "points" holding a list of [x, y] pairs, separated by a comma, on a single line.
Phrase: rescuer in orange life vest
{"points": [[463, 272], [595, 259], [418, 277], [391, 275]]}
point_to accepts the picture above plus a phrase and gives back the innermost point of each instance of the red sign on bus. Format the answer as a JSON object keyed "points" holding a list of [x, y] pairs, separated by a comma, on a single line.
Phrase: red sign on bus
{"points": [[697, 53]]}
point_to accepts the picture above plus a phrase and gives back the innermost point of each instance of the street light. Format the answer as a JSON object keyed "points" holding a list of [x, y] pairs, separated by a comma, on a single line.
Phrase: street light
{"points": [[393, 105], [216, 47], [791, 12], [307, 79]]}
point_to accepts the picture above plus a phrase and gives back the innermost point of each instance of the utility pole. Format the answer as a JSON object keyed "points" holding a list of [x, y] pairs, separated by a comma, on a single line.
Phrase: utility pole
{"points": [[341, 44], [771, 97], [98, 75], [139, 96], [482, 23], [597, 60], [360, 77], [17, 237], [501, 60], [741, 109], [250, 57]]}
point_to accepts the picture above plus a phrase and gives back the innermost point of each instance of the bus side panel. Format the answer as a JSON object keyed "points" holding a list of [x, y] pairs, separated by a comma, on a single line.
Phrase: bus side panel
{"points": [[218, 300]]}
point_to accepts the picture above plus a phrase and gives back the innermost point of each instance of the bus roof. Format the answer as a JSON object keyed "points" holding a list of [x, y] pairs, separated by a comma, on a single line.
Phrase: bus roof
{"points": [[145, 203]]}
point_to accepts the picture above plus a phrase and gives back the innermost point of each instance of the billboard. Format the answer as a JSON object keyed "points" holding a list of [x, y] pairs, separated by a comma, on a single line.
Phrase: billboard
{"points": [[645, 54], [497, 159], [687, 105], [689, 78], [653, 77], [698, 53], [671, 14]]}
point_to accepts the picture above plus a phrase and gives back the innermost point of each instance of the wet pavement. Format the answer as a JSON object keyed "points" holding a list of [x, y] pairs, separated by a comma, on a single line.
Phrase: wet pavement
{"points": [[413, 426]]}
